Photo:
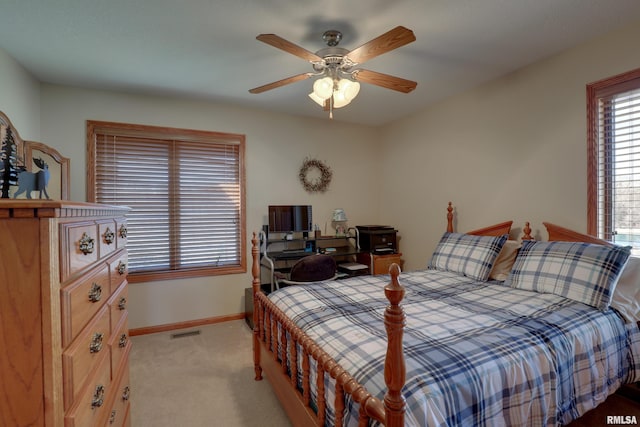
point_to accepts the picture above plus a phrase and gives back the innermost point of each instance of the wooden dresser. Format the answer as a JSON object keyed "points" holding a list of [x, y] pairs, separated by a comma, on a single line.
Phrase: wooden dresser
{"points": [[64, 342]]}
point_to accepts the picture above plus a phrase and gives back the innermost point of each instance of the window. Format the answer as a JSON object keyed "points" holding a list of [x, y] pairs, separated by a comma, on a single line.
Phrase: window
{"points": [[613, 108], [186, 192]]}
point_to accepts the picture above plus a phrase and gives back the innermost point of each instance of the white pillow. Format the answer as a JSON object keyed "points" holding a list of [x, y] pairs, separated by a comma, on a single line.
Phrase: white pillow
{"points": [[626, 297]]}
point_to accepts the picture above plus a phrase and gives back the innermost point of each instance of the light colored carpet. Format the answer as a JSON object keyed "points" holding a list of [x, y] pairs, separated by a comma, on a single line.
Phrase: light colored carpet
{"points": [[200, 380]]}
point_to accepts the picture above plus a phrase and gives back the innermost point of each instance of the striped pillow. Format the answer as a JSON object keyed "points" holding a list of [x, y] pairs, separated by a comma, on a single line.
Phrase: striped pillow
{"points": [[472, 256], [583, 272]]}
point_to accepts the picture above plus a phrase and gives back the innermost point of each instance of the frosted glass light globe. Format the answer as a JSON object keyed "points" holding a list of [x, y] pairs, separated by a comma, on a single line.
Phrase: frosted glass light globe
{"points": [[323, 88], [349, 88]]}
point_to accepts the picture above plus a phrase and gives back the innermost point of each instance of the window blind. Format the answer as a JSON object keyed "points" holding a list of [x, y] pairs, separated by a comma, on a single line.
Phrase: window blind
{"points": [[185, 198], [618, 164]]}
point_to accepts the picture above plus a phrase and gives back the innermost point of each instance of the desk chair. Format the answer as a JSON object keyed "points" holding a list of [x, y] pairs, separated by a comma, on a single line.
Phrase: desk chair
{"points": [[312, 268]]}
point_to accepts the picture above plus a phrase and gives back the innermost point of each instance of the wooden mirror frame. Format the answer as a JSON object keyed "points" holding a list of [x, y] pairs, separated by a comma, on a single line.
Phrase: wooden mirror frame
{"points": [[25, 150]]}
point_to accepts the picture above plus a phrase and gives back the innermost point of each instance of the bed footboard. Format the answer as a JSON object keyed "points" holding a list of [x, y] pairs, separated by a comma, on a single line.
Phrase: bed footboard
{"points": [[277, 341]]}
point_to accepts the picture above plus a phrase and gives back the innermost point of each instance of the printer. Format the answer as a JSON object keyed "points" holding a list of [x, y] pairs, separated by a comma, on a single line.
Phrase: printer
{"points": [[377, 239]]}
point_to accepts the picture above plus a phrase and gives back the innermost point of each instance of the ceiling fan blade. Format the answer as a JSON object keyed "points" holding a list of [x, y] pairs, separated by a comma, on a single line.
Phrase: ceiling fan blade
{"points": [[390, 40], [287, 46], [385, 80], [280, 83]]}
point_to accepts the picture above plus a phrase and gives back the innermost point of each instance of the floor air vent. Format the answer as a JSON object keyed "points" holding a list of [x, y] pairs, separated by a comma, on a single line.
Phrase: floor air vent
{"points": [[185, 334]]}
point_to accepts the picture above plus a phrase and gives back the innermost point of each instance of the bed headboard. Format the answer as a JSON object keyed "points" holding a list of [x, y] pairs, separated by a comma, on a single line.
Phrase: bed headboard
{"points": [[557, 232], [491, 230], [26, 154]]}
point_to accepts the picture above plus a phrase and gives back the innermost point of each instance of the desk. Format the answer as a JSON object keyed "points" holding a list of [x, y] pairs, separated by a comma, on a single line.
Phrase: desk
{"points": [[279, 255]]}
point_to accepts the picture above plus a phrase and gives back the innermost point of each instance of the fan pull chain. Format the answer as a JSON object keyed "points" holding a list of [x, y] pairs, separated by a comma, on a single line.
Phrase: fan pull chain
{"points": [[331, 108]]}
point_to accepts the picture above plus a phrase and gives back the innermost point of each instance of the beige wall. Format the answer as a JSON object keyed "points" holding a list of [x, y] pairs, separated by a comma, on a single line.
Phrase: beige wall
{"points": [[514, 148], [276, 146], [20, 96]]}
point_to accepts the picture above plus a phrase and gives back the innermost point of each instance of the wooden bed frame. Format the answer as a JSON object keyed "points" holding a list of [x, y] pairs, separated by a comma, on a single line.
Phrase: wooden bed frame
{"points": [[298, 403], [390, 411]]}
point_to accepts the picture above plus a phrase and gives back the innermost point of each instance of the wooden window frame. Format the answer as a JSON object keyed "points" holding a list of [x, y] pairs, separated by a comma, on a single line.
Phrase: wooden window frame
{"points": [[167, 133], [595, 91]]}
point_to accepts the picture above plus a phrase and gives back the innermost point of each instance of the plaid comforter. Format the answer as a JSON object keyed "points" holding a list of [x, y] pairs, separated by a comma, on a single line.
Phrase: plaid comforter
{"points": [[477, 353]]}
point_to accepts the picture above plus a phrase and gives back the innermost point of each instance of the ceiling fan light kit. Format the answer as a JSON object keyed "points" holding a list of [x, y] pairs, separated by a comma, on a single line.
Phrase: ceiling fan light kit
{"points": [[323, 88], [338, 84], [338, 92]]}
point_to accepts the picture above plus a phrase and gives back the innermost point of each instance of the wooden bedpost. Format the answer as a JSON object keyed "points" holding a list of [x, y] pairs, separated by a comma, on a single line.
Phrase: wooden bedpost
{"points": [[255, 272], [527, 232], [450, 218], [394, 365]]}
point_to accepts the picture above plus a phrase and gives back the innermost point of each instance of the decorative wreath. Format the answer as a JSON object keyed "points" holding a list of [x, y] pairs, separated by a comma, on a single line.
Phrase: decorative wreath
{"points": [[319, 184]]}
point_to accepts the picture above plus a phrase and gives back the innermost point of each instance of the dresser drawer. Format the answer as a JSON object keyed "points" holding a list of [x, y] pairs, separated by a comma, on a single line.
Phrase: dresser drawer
{"points": [[121, 235], [120, 344], [81, 300], [90, 408], [78, 247], [108, 237], [127, 417], [118, 269], [118, 305], [81, 357], [119, 402]]}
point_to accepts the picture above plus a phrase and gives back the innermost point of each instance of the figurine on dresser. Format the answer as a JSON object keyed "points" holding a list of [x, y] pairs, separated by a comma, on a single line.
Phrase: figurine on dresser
{"points": [[34, 181], [19, 178], [8, 160]]}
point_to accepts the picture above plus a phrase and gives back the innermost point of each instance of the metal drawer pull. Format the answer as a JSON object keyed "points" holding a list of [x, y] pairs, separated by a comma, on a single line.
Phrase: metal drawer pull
{"points": [[109, 236], [86, 244], [96, 343], [123, 231], [98, 397], [122, 268], [122, 304], [123, 341], [95, 293], [126, 392], [112, 418]]}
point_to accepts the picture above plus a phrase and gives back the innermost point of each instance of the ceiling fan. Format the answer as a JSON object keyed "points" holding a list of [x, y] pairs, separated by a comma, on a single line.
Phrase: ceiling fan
{"points": [[338, 67]]}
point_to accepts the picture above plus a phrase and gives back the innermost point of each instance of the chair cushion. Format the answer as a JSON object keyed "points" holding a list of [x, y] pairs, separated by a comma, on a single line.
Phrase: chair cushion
{"points": [[313, 268]]}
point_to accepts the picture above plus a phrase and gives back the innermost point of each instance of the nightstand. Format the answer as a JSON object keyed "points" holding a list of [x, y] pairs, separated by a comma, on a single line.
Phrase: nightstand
{"points": [[379, 264]]}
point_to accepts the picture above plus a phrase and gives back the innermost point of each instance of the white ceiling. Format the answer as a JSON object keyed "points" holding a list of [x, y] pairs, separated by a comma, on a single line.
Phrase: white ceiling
{"points": [[206, 49]]}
